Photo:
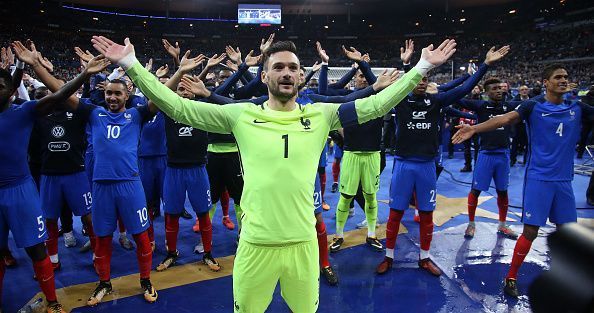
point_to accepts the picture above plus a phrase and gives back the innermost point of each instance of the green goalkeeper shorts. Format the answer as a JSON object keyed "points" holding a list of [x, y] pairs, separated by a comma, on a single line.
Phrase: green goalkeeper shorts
{"points": [[258, 268], [361, 167]]}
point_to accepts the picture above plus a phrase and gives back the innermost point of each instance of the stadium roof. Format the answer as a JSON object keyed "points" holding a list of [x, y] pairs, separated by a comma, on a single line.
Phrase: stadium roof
{"points": [[296, 7]]}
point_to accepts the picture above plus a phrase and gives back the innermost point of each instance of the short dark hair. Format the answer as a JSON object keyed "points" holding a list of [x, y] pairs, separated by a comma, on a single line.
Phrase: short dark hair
{"points": [[40, 92], [491, 81], [278, 46], [119, 81], [5, 75], [549, 69]]}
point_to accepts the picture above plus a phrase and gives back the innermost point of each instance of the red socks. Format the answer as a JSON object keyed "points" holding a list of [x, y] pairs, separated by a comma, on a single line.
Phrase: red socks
{"points": [[323, 183], [322, 244], [171, 230], [335, 170], [144, 254], [502, 204], [393, 227], [45, 277], [103, 257], [426, 229], [52, 240], [520, 251], [206, 231], [472, 203], [225, 202]]}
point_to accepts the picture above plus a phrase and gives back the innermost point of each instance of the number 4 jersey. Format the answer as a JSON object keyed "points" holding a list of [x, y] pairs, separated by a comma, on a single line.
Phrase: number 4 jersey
{"points": [[553, 131]]}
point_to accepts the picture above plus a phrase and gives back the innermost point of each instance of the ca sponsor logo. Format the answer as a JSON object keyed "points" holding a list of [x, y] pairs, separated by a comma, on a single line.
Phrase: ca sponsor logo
{"points": [[58, 146], [127, 116], [572, 115], [419, 115], [427, 102], [185, 131], [58, 131], [69, 115]]}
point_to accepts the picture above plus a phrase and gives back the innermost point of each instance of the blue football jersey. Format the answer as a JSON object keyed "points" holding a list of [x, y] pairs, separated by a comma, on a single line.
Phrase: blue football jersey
{"points": [[553, 131], [16, 124], [152, 137], [115, 138]]}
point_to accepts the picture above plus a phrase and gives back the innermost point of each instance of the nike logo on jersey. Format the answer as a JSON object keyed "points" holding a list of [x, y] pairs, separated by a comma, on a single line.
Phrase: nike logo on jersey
{"points": [[259, 122], [101, 114], [546, 114], [144, 224], [42, 234]]}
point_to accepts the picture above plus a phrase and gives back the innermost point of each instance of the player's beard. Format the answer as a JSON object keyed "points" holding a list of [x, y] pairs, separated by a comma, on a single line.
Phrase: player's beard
{"points": [[274, 89]]}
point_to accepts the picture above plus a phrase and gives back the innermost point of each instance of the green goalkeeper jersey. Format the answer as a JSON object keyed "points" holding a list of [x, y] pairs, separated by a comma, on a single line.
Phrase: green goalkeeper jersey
{"points": [[279, 150]]}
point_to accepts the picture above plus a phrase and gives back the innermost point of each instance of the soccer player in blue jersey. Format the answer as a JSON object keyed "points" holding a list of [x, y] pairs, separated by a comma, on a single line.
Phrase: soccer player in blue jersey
{"points": [[553, 127], [20, 206], [152, 160], [417, 142], [493, 160], [61, 141], [117, 188]]}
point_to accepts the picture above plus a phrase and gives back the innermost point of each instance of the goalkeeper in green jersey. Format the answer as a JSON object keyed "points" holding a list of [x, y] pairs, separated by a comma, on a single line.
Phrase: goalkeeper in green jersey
{"points": [[280, 143]]}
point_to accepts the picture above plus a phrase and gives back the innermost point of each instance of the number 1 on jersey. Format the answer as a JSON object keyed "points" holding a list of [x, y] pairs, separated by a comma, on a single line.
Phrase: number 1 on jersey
{"points": [[286, 138]]}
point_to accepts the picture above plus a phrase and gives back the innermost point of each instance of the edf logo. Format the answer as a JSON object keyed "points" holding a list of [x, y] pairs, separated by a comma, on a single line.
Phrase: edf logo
{"points": [[420, 125]]}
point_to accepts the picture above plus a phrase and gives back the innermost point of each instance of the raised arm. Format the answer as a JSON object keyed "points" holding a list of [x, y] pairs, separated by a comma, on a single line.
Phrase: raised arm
{"points": [[451, 96], [225, 88], [465, 131], [453, 83], [385, 80], [58, 98], [316, 67], [196, 86], [323, 77], [173, 51], [206, 116], [31, 58], [363, 110], [252, 88], [449, 111], [354, 55], [186, 65], [345, 79], [212, 62], [472, 105]]}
